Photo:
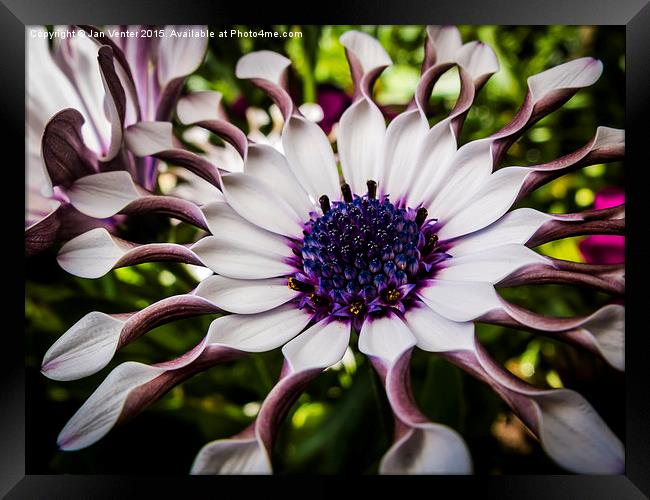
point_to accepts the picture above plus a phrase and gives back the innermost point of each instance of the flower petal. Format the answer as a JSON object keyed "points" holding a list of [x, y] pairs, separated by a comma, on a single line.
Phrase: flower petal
{"points": [[90, 342], [321, 346], [149, 138], [573, 74], [198, 106], [436, 333], [428, 449], [179, 55], [311, 158], [515, 227], [576, 437], [360, 138], [404, 136], [491, 265], [105, 194], [460, 300], [386, 338], [252, 199], [91, 254], [442, 44], [245, 296], [258, 332], [232, 456], [489, 203], [270, 167]]}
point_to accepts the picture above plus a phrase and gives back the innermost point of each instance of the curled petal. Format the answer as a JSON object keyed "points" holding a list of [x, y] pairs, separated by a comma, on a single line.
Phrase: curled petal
{"points": [[420, 447], [198, 106], [65, 155], [90, 344], [105, 194], [547, 91], [43, 233], [569, 429], [115, 103], [241, 454], [96, 252], [602, 332], [130, 388], [441, 45], [367, 59], [178, 56], [267, 70], [178, 208]]}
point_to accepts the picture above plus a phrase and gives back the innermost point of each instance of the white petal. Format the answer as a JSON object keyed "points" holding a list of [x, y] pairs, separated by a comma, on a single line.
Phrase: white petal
{"points": [[103, 195], [429, 449], [386, 338], [491, 265], [517, 226], [404, 136], [252, 199], [434, 156], [436, 333], [446, 41], [311, 158], [459, 178], [227, 224], [487, 205], [236, 257], [258, 332], [179, 56], [321, 346], [263, 64], [607, 325], [270, 167], [91, 254], [478, 59], [232, 456], [573, 74], [360, 138], [370, 53], [575, 436], [149, 138], [607, 136], [102, 409], [198, 106], [84, 348], [460, 300], [245, 296]]}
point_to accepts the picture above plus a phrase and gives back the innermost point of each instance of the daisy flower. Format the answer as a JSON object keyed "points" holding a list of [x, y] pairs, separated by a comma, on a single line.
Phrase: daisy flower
{"points": [[404, 246]]}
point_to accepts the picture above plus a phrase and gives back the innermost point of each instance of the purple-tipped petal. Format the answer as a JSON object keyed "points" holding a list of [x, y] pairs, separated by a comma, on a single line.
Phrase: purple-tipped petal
{"points": [[105, 194], [367, 59], [267, 70], [130, 388], [96, 252], [64, 152], [171, 206], [115, 103], [198, 107]]}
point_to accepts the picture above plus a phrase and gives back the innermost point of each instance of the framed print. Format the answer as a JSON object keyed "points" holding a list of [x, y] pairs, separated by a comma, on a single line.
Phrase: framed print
{"points": [[388, 243]]}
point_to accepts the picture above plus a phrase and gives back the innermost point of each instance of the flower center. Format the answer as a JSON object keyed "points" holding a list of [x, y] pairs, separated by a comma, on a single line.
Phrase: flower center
{"points": [[364, 255]]}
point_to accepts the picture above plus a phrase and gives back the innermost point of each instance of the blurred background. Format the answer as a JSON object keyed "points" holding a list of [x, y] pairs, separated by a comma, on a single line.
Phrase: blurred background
{"points": [[342, 423]]}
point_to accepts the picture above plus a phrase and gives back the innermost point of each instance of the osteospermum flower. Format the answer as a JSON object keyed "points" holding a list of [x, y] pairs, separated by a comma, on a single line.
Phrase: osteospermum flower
{"points": [[82, 94], [405, 247]]}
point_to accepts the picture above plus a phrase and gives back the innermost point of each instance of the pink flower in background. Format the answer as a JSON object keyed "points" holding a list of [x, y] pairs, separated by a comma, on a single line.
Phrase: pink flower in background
{"points": [[602, 248]]}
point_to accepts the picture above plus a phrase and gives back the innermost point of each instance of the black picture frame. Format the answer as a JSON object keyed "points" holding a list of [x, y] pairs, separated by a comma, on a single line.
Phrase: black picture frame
{"points": [[633, 14]]}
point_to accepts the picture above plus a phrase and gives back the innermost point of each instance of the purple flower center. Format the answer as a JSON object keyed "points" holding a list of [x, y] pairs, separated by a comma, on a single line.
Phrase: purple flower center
{"points": [[364, 256]]}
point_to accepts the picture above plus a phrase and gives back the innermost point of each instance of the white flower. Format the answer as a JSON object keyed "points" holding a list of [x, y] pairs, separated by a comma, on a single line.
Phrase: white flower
{"points": [[406, 249]]}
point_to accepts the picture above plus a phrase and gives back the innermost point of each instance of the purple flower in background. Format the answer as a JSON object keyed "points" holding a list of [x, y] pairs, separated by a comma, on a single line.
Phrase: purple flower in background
{"points": [[83, 92], [334, 102], [406, 248], [605, 248]]}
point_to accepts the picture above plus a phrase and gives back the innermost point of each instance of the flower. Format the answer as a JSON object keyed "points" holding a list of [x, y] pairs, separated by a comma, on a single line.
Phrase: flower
{"points": [[603, 248], [82, 94], [406, 250]]}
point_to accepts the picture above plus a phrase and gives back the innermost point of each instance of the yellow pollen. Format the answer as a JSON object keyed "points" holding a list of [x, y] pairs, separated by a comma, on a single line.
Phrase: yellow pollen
{"points": [[356, 308], [292, 284], [393, 295]]}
